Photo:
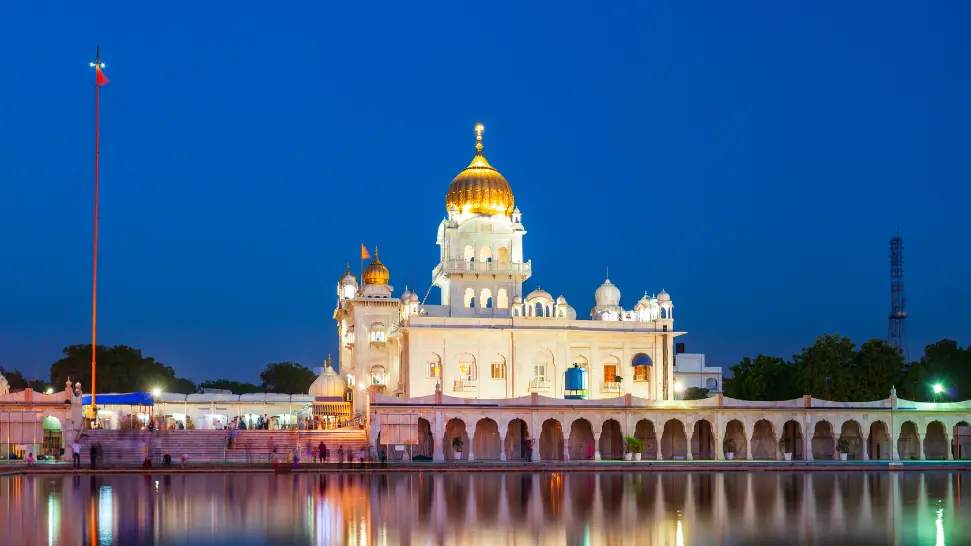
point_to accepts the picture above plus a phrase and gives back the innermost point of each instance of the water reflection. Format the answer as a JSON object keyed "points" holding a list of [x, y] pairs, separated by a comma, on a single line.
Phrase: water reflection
{"points": [[485, 508]]}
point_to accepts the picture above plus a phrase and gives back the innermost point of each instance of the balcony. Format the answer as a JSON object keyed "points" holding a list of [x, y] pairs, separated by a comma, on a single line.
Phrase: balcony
{"points": [[466, 385], [610, 386], [451, 267], [539, 384]]}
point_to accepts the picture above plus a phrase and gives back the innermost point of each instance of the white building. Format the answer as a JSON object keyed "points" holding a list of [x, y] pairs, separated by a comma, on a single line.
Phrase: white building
{"points": [[486, 338], [690, 371]]}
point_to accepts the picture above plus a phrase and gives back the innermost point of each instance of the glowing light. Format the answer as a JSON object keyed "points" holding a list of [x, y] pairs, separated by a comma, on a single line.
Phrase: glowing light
{"points": [[678, 387], [939, 524], [361, 386], [938, 388], [49, 391], [156, 392]]}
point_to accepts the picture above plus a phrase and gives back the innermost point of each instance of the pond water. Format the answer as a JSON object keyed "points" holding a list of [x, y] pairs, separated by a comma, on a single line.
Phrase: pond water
{"points": [[640, 508]]}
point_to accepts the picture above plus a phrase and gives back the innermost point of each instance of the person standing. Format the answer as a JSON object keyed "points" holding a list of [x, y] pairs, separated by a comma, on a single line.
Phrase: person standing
{"points": [[322, 450], [93, 453], [76, 454]]}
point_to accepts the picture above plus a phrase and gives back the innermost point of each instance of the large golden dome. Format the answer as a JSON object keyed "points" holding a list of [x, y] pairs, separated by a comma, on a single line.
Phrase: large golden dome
{"points": [[480, 189], [376, 272]]}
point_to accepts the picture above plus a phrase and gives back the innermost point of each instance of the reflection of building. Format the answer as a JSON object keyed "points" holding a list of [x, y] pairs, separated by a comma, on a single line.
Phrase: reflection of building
{"points": [[690, 371], [487, 338]]}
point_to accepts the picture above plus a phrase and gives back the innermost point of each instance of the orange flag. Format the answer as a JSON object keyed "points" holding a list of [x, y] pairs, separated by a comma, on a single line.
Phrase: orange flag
{"points": [[102, 79], [365, 255]]}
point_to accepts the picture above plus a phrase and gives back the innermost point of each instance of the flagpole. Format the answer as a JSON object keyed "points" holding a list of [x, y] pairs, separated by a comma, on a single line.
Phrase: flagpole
{"points": [[94, 282]]}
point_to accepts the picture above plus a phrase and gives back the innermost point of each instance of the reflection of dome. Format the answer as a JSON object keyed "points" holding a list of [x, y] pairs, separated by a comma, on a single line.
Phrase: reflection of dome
{"points": [[328, 384], [607, 295], [663, 296], [479, 188], [376, 272]]}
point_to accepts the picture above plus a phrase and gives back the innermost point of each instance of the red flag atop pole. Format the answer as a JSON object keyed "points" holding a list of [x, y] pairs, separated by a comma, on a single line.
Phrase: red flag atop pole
{"points": [[102, 79]]}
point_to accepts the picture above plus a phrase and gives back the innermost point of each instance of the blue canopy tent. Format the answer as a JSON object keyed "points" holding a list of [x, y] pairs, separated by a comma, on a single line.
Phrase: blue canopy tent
{"points": [[127, 399]]}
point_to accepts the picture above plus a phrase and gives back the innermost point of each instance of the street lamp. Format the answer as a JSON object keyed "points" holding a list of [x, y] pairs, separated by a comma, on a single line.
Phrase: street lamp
{"points": [[50, 390], [678, 388], [938, 389]]}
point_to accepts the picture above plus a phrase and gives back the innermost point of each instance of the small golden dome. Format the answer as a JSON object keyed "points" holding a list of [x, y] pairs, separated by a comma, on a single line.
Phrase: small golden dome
{"points": [[375, 272], [479, 188]]}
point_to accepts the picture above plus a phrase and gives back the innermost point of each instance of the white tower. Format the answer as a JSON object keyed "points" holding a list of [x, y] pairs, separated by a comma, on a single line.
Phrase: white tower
{"points": [[482, 268]]}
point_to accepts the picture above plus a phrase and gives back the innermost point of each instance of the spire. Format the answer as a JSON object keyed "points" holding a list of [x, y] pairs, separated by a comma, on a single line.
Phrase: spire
{"points": [[375, 252], [479, 129]]}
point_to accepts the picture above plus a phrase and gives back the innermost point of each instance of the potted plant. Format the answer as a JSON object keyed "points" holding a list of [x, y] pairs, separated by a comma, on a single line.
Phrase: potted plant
{"points": [[729, 449], [457, 444], [634, 447], [844, 447], [785, 446]]}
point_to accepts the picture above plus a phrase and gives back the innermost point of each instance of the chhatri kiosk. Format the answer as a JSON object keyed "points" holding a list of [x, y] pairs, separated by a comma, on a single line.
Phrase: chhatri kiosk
{"points": [[490, 369]]}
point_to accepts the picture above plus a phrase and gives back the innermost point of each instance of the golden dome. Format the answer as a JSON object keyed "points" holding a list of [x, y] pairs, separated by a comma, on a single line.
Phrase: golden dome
{"points": [[375, 272], [480, 189]]}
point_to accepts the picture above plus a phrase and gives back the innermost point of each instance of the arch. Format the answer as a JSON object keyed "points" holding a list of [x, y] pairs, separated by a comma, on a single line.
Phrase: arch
{"points": [[498, 367], [516, 434], [735, 438], [792, 433], [551, 441], [434, 365], [485, 298], [644, 431], [908, 444], [764, 444], [822, 443], [467, 369], [962, 441], [611, 441], [878, 442], [581, 441], [935, 441], [469, 254], [485, 442], [702, 440], [51, 429], [642, 365], [543, 372], [537, 309], [485, 253], [503, 255], [468, 300], [611, 370], [426, 442], [378, 332], [455, 428], [502, 299], [850, 431], [674, 442], [711, 384]]}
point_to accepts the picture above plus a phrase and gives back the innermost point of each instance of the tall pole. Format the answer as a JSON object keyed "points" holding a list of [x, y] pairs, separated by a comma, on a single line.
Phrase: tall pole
{"points": [[98, 65]]}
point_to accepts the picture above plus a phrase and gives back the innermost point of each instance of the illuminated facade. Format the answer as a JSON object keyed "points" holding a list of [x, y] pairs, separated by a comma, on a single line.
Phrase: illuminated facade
{"points": [[487, 339]]}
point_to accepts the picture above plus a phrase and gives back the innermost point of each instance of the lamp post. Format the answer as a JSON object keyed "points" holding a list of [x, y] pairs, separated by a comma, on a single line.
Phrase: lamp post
{"points": [[938, 389], [678, 389]]}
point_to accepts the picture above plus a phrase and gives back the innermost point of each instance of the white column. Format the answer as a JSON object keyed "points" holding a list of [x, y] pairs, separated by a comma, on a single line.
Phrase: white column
{"points": [[438, 432], [596, 446], [566, 448], [748, 447], [719, 448], [947, 442], [471, 432], [836, 446], [502, 446], [895, 440]]}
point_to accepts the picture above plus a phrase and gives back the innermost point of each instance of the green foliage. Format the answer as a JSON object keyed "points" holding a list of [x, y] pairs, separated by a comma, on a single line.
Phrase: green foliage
{"points": [[287, 378], [843, 445], [236, 387], [15, 379], [834, 368], [120, 369], [695, 393], [634, 445], [457, 443], [729, 445]]}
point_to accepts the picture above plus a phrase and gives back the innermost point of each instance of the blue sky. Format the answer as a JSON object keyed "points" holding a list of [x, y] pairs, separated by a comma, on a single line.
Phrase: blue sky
{"points": [[752, 158]]}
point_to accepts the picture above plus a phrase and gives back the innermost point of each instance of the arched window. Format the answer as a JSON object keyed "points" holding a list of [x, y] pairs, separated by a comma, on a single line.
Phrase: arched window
{"points": [[486, 298], [503, 255], [379, 377], [539, 309], [498, 367], [642, 367], [435, 366], [378, 333], [711, 384], [485, 254], [469, 298], [502, 299], [611, 367], [542, 370], [469, 253], [467, 370]]}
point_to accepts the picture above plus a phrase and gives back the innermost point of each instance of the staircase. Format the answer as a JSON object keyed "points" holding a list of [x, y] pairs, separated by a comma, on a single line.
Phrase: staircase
{"points": [[256, 446], [124, 447]]}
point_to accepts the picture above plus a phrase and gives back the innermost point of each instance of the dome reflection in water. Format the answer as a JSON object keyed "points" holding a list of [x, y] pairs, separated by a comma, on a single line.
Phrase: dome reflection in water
{"points": [[489, 508]]}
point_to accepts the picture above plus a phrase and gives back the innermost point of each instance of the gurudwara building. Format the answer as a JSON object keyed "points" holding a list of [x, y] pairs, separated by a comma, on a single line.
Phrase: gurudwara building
{"points": [[487, 339]]}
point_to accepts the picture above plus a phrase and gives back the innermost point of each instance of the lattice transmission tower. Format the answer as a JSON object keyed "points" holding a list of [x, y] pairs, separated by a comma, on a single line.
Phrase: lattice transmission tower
{"points": [[897, 323]]}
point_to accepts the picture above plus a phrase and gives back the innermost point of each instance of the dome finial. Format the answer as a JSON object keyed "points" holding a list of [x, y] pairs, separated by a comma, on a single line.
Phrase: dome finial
{"points": [[479, 129], [375, 252]]}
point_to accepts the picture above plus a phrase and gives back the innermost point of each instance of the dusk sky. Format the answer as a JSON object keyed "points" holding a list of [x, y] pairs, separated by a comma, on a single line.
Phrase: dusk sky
{"points": [[751, 158]]}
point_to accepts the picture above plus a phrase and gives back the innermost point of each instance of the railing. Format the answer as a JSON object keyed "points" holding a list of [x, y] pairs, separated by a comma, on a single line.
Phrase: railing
{"points": [[466, 384], [496, 268], [539, 384], [610, 386]]}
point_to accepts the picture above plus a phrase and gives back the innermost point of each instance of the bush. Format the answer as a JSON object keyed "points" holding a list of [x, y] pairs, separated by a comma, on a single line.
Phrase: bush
{"points": [[457, 443], [634, 445], [730, 446]]}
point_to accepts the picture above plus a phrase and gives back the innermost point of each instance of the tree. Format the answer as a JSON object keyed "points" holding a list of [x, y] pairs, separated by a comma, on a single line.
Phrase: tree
{"points": [[765, 378], [287, 378], [120, 369], [877, 368], [15, 379], [823, 368], [236, 387], [695, 393]]}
